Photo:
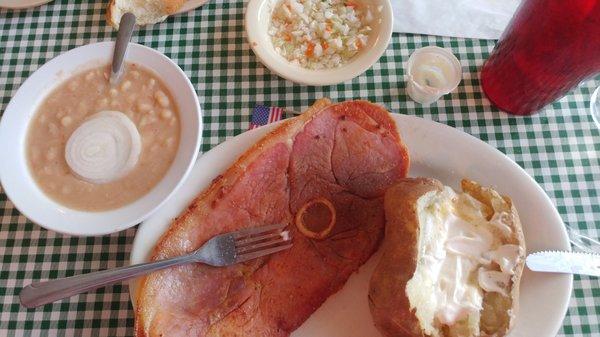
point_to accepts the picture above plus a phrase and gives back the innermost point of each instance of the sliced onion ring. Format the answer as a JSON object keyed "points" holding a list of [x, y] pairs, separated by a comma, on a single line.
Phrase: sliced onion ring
{"points": [[305, 229], [104, 148]]}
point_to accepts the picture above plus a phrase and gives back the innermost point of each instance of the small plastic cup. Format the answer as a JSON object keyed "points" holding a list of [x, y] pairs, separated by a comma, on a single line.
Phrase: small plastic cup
{"points": [[432, 73]]}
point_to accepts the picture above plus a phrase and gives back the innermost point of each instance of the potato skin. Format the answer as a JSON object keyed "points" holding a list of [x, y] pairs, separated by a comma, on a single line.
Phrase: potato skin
{"points": [[387, 296]]}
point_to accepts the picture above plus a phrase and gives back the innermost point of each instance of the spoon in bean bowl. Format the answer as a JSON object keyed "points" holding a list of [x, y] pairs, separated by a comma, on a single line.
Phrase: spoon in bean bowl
{"points": [[126, 26]]}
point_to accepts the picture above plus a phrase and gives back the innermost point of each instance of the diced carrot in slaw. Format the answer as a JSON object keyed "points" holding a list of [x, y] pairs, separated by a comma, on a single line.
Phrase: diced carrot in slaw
{"points": [[310, 49], [358, 44]]}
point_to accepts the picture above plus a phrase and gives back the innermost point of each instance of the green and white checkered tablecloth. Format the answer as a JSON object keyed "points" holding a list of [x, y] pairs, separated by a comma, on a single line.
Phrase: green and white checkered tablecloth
{"points": [[559, 147]]}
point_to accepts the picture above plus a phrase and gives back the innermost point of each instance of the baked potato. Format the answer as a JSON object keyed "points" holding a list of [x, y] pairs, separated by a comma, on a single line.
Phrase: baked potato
{"points": [[451, 262]]}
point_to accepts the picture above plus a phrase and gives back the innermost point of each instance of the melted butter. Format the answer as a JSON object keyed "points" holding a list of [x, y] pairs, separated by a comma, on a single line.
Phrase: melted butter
{"points": [[506, 256], [493, 281], [458, 256], [465, 245], [502, 221], [465, 239]]}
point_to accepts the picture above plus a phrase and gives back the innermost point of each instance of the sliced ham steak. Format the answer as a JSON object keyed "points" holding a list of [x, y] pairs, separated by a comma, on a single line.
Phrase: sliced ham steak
{"points": [[348, 153]]}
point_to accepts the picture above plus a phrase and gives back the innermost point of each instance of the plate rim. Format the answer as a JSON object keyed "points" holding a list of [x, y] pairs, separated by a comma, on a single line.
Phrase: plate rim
{"points": [[398, 119]]}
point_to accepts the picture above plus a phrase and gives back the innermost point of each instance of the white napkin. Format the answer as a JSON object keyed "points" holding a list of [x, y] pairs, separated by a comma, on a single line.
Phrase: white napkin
{"points": [[481, 19]]}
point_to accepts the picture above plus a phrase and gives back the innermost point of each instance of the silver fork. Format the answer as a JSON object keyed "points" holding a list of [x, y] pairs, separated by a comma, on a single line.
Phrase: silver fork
{"points": [[222, 250]]}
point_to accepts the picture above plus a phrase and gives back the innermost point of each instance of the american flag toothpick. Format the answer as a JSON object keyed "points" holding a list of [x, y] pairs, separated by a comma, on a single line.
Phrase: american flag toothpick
{"points": [[262, 115]]}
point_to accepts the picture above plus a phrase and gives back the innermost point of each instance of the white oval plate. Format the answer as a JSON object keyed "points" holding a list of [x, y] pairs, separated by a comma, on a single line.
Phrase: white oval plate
{"points": [[438, 151], [14, 173]]}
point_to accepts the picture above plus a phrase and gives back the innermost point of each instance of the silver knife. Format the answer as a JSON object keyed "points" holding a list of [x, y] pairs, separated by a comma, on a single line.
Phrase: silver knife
{"points": [[564, 262]]}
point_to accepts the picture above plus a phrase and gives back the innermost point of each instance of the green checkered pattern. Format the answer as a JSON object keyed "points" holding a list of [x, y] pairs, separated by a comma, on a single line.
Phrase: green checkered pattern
{"points": [[559, 147]]}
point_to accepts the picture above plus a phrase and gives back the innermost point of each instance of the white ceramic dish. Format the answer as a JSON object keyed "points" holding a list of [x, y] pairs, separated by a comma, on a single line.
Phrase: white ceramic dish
{"points": [[18, 183], [20, 4], [257, 21], [544, 297]]}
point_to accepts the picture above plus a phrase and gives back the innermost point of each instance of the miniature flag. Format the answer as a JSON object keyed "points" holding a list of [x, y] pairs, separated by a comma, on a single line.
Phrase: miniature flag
{"points": [[262, 115]]}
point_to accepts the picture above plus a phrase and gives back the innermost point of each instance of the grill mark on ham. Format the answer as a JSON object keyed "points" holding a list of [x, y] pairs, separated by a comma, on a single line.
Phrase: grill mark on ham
{"points": [[305, 158]]}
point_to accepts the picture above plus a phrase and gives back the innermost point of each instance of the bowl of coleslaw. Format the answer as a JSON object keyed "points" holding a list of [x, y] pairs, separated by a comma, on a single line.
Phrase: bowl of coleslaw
{"points": [[319, 42]]}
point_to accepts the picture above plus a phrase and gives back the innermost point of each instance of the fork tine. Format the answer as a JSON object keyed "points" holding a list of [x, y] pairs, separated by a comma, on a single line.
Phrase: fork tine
{"points": [[257, 230], [254, 255], [262, 245], [254, 239]]}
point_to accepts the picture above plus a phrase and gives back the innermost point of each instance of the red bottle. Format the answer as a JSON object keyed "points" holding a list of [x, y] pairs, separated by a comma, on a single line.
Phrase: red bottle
{"points": [[548, 48]]}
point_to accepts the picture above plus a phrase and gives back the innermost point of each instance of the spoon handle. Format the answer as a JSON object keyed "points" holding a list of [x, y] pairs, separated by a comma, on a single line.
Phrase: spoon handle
{"points": [[126, 26]]}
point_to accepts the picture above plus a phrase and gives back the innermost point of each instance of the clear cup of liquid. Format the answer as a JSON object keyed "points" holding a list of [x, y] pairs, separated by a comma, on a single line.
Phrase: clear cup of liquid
{"points": [[432, 73]]}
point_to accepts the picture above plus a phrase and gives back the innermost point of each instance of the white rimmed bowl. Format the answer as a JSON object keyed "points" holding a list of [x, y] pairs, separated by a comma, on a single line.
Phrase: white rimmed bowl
{"points": [[258, 19], [18, 183], [21, 4]]}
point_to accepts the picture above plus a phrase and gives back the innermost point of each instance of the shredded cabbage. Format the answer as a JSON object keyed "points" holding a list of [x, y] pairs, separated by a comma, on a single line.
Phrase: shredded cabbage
{"points": [[318, 34]]}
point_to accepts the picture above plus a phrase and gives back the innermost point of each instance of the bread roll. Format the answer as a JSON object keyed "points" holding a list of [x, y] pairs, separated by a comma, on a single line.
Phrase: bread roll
{"points": [[145, 11], [451, 262]]}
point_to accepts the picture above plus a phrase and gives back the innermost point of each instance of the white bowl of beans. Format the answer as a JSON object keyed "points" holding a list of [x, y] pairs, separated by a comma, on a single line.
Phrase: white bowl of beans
{"points": [[316, 42], [156, 100]]}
